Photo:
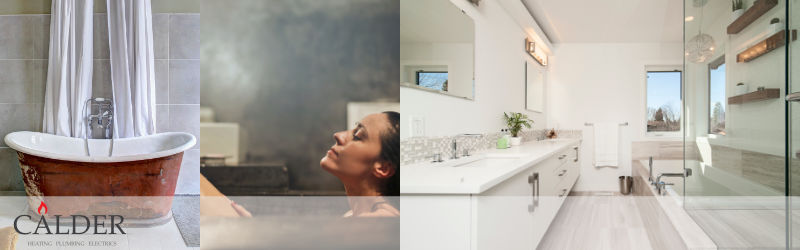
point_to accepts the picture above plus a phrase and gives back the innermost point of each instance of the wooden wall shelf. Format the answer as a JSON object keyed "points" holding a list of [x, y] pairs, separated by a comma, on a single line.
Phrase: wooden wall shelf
{"points": [[755, 96], [771, 43], [750, 15]]}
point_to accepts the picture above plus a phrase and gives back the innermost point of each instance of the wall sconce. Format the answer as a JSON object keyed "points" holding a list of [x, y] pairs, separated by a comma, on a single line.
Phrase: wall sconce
{"points": [[530, 47]]}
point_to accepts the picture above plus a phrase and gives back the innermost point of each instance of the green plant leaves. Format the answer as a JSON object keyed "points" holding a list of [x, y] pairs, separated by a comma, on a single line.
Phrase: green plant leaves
{"points": [[515, 122]]}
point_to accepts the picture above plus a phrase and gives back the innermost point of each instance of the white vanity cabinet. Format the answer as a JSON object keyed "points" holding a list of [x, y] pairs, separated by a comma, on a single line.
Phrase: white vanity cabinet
{"points": [[516, 213], [513, 214]]}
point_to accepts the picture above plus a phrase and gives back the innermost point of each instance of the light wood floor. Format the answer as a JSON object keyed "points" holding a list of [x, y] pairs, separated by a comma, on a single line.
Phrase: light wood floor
{"points": [[744, 229], [610, 222]]}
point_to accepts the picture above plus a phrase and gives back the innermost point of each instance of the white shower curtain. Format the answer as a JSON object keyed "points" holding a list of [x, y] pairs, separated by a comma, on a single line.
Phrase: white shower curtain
{"points": [[130, 34], [69, 68]]}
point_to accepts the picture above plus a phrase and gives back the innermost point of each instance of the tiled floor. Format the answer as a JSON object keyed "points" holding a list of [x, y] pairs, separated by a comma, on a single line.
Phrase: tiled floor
{"points": [[609, 222], [744, 228]]}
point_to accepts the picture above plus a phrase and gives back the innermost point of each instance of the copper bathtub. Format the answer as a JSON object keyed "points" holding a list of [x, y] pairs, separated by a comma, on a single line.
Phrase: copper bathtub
{"points": [[133, 177]]}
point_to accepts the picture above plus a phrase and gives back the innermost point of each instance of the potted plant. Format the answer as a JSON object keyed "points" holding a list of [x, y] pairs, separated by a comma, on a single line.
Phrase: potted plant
{"points": [[775, 25], [515, 122], [738, 9], [741, 89]]}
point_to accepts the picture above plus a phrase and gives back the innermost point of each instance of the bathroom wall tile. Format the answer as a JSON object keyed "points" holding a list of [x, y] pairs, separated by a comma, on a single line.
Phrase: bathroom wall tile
{"points": [[16, 36], [162, 118], [101, 79], [765, 169], [10, 175], [184, 82], [17, 71], [727, 159], [421, 149], [162, 81], [189, 178], [20, 81], [161, 36], [100, 38], [185, 118], [184, 36], [36, 113], [40, 68], [19, 117], [671, 150], [644, 149], [41, 37]]}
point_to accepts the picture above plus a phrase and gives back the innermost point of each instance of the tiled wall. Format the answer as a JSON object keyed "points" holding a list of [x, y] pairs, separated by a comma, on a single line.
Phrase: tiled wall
{"points": [[421, 149], [764, 169], [663, 150], [23, 71], [24, 43]]}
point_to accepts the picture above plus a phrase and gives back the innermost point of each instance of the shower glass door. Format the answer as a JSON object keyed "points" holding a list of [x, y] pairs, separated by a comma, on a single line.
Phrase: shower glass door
{"points": [[793, 104], [736, 122]]}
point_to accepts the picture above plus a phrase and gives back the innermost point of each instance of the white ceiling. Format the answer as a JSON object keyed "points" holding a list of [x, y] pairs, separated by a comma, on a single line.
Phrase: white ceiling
{"points": [[434, 21], [609, 21]]}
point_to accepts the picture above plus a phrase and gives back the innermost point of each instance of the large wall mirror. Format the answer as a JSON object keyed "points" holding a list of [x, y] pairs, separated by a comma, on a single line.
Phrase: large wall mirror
{"points": [[436, 48], [534, 86]]}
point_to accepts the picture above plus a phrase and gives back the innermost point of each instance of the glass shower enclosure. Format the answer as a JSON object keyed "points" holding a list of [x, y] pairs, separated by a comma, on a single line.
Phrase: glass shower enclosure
{"points": [[742, 125]]}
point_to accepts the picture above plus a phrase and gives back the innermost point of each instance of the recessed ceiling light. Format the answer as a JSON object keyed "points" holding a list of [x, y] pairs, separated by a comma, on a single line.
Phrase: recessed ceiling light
{"points": [[689, 18]]}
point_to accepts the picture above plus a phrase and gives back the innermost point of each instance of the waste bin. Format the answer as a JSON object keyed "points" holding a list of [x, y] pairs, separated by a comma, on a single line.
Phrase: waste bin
{"points": [[625, 184]]}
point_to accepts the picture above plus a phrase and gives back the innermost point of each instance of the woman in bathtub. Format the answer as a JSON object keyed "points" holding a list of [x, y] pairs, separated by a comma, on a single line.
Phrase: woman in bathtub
{"points": [[366, 160]]}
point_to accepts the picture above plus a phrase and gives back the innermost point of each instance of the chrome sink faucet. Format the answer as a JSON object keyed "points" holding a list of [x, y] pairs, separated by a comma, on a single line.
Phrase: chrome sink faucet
{"points": [[454, 145]]}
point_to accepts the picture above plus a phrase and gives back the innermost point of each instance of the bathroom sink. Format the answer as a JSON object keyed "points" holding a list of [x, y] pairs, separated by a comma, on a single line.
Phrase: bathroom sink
{"points": [[487, 162]]}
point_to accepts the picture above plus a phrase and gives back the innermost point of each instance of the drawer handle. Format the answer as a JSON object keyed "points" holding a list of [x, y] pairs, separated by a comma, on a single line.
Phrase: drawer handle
{"points": [[534, 181], [561, 157], [563, 171], [563, 192], [577, 153]]}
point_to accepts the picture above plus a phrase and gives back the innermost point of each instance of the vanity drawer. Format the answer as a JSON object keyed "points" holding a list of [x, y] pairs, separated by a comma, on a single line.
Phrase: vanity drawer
{"points": [[567, 181]]}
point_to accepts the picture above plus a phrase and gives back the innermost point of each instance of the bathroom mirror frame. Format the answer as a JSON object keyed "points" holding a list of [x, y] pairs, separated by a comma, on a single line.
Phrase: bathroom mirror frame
{"points": [[534, 86], [404, 62]]}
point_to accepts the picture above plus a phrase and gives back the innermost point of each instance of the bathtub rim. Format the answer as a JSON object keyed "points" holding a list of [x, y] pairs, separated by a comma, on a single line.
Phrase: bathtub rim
{"points": [[22, 135]]}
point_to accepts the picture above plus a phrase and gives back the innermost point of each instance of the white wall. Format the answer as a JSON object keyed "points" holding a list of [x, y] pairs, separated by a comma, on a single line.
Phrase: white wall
{"points": [[604, 82], [499, 81]]}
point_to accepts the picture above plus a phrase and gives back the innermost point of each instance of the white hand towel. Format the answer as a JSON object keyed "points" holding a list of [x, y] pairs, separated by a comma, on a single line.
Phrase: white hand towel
{"points": [[606, 145]]}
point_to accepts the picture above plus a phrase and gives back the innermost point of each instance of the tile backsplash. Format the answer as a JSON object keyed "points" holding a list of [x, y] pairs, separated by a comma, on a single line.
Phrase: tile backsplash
{"points": [[420, 149]]}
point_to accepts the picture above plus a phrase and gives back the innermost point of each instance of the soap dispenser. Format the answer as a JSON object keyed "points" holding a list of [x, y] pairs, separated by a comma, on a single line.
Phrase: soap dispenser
{"points": [[502, 142]]}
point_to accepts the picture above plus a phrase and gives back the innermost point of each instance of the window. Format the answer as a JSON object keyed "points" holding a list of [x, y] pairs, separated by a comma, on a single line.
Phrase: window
{"points": [[716, 96], [432, 79], [663, 101]]}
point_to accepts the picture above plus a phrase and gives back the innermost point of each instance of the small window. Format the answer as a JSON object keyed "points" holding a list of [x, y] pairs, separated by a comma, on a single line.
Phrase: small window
{"points": [[663, 101], [432, 79], [716, 96]]}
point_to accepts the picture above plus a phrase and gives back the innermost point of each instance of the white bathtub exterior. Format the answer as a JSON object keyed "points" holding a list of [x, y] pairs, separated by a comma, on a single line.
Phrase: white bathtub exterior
{"points": [[125, 149]]}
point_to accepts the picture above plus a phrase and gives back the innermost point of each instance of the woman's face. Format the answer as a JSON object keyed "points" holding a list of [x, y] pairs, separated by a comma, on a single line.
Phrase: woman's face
{"points": [[356, 154]]}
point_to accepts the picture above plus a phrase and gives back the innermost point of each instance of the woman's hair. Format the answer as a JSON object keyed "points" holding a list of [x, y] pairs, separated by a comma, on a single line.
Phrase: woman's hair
{"points": [[390, 152]]}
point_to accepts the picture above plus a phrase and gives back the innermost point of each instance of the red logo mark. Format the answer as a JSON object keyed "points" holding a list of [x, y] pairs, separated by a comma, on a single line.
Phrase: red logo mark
{"points": [[40, 208]]}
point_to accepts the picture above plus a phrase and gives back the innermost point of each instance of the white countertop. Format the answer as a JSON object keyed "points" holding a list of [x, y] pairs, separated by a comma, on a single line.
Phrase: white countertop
{"points": [[444, 178]]}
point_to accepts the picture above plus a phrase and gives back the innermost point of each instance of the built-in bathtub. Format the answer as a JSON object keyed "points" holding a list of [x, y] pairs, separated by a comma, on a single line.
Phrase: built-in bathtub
{"points": [[707, 180], [709, 191], [136, 180]]}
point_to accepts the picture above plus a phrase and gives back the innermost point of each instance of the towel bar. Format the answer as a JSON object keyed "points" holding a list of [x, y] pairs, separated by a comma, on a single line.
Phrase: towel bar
{"points": [[592, 124]]}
